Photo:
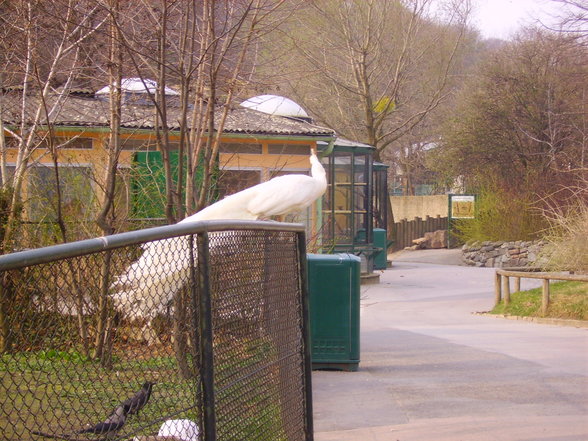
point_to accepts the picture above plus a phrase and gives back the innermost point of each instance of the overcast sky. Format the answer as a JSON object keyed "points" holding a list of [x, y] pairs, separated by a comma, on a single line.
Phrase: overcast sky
{"points": [[500, 18]]}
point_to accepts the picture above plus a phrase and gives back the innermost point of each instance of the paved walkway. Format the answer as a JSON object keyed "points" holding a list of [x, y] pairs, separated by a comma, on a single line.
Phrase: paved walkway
{"points": [[432, 370]]}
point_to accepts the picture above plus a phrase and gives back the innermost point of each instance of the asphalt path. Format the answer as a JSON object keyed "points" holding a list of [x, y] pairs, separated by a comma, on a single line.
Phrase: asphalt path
{"points": [[433, 369]]}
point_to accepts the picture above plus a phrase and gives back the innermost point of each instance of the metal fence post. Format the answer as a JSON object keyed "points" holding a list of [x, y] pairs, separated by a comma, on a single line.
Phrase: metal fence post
{"points": [[306, 334], [196, 337], [206, 338]]}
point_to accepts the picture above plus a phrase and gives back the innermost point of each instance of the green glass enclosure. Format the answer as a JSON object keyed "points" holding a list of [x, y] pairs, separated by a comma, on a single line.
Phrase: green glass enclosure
{"points": [[356, 201], [347, 205]]}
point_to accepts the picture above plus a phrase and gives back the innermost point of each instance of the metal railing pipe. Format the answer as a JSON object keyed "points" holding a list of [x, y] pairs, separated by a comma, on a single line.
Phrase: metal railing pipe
{"points": [[80, 248]]}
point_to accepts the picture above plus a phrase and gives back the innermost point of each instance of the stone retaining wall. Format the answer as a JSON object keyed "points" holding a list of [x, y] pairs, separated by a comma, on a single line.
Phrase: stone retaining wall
{"points": [[502, 254]]}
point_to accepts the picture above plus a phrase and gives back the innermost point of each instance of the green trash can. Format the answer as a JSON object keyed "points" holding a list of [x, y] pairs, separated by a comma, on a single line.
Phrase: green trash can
{"points": [[334, 290], [380, 241]]}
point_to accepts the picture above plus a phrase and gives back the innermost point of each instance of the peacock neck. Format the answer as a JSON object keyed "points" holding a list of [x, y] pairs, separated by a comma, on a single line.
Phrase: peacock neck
{"points": [[317, 170]]}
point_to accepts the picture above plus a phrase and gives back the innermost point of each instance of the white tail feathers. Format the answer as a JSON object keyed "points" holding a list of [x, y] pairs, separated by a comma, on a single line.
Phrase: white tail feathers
{"points": [[149, 284]]}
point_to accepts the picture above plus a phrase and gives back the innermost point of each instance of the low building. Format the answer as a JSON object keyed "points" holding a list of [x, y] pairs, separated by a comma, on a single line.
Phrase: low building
{"points": [[255, 146]]}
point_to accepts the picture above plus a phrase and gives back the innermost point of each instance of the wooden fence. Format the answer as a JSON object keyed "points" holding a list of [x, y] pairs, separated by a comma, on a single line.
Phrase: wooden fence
{"points": [[406, 231], [502, 283]]}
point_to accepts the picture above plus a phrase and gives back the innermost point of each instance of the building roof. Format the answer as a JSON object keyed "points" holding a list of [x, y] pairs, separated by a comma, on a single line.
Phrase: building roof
{"points": [[88, 111], [275, 105], [137, 85], [347, 145]]}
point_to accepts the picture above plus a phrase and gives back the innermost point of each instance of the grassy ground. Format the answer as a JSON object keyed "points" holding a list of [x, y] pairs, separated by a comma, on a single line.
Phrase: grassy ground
{"points": [[58, 392], [568, 300]]}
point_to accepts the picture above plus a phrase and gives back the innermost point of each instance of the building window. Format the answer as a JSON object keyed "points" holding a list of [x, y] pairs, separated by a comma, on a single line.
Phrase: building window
{"points": [[122, 196], [232, 181], [59, 142], [76, 142], [282, 172], [77, 195], [9, 172], [289, 149], [234, 147], [136, 145]]}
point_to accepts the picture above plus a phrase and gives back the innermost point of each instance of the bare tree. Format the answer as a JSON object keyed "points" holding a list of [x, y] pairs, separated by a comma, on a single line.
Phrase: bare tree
{"points": [[200, 49], [40, 55], [374, 70], [573, 17], [114, 147], [42, 74], [222, 66], [520, 122]]}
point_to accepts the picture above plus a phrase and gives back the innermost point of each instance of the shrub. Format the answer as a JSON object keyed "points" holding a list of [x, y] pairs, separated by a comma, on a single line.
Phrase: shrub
{"points": [[567, 239], [501, 215]]}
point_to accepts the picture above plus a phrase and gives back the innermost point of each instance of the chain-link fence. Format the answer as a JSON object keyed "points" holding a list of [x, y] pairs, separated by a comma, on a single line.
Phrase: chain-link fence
{"points": [[195, 331]]}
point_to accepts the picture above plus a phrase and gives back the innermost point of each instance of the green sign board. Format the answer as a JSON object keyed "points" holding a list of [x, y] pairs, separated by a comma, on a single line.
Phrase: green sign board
{"points": [[461, 207]]}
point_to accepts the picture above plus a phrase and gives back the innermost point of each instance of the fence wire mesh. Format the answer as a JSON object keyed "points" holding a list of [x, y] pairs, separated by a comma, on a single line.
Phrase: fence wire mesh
{"points": [[199, 336]]}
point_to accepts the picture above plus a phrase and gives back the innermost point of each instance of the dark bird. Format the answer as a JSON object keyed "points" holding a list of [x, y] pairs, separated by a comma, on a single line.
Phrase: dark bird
{"points": [[135, 403], [114, 422]]}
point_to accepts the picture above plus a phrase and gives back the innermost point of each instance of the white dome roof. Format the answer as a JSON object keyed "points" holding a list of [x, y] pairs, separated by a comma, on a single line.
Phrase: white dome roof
{"points": [[275, 105], [136, 85]]}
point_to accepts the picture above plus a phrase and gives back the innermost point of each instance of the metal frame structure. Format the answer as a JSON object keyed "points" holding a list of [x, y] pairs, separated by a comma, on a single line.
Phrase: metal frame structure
{"points": [[355, 161], [381, 198], [367, 183]]}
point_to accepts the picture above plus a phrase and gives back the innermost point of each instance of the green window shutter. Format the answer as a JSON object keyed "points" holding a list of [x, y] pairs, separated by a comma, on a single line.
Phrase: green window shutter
{"points": [[148, 183]]}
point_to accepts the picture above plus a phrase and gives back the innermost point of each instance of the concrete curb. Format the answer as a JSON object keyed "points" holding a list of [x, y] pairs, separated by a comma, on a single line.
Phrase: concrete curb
{"points": [[539, 320]]}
